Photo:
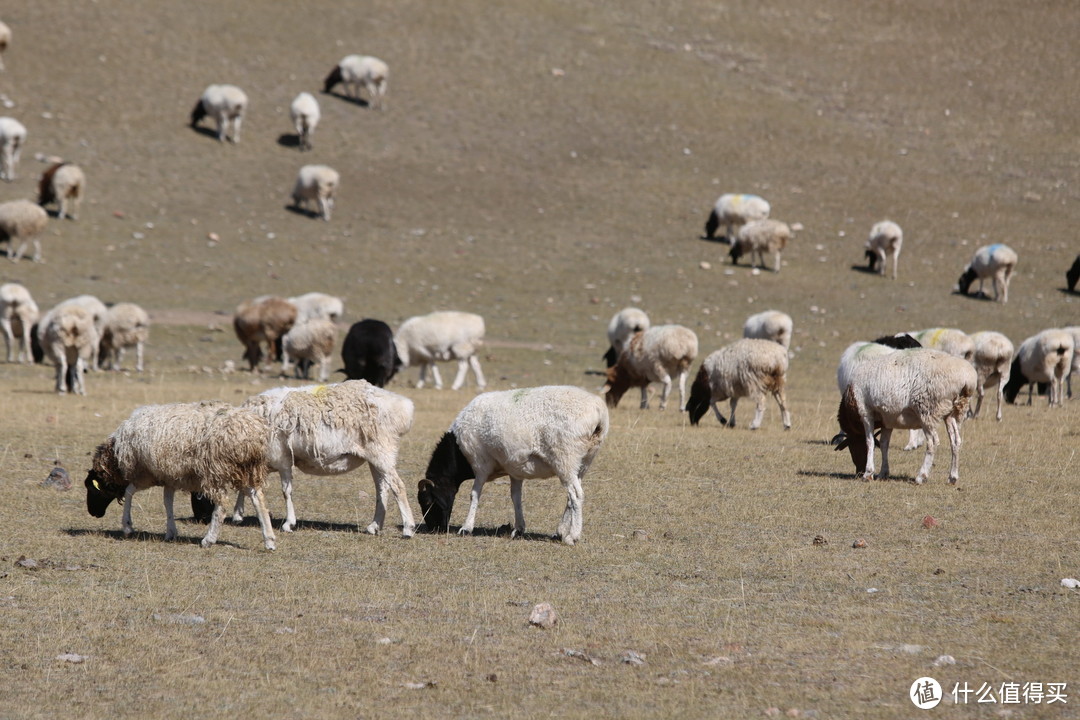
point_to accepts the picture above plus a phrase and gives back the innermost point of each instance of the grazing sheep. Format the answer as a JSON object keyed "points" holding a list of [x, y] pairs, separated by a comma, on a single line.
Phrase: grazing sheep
{"points": [[1043, 358], [311, 342], [334, 429], [1072, 275], [126, 325], [369, 352], [205, 447], [948, 340], [886, 238], [527, 433], [18, 313], [1074, 369], [859, 352], [450, 335], [262, 320], [734, 211], [316, 184], [21, 222], [5, 40], [621, 328], [653, 355], [769, 325], [912, 389], [749, 368], [68, 338], [997, 261], [317, 305], [993, 359], [759, 237], [227, 105], [357, 71], [90, 304], [64, 184], [304, 112], [12, 138]]}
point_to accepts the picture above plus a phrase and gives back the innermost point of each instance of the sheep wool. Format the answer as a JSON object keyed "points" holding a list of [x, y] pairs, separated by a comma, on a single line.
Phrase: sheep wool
{"points": [[226, 104], [311, 343], [69, 339], [18, 313], [126, 325], [448, 335], [653, 355], [750, 368], [993, 360], [369, 352], [769, 325], [5, 40], [623, 325], [360, 71], [304, 112], [990, 261], [1043, 358], [12, 139], [886, 239], [734, 210], [758, 237], [22, 222], [262, 320], [316, 184], [64, 184], [315, 305]]}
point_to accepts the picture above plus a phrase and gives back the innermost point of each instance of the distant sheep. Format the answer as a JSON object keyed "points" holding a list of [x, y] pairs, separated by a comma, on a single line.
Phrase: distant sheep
{"points": [[1043, 358], [69, 340], [758, 237], [64, 184], [621, 328], [750, 368], [310, 343], [360, 71], [733, 211], [993, 361], [912, 389], [1073, 330], [209, 448], [304, 112], [316, 184], [369, 352], [317, 305], [263, 320], [12, 139], [18, 314], [226, 104], [526, 433], [769, 325], [991, 261], [90, 304], [126, 325], [5, 40], [22, 222], [653, 355], [1072, 275], [426, 339], [886, 239]]}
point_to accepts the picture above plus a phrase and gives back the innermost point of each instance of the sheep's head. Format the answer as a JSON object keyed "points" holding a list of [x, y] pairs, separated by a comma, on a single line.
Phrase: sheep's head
{"points": [[736, 252], [851, 425], [1072, 276], [964, 283], [434, 506], [446, 471], [618, 382], [871, 260], [197, 113], [101, 486]]}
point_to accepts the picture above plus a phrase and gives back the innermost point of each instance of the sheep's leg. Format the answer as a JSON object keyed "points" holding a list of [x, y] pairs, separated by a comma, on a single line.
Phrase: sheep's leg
{"points": [[776, 263], [781, 400], [759, 412], [324, 208], [868, 429], [1000, 395], [474, 363], [883, 443], [716, 409], [682, 390], [380, 500], [18, 253], [931, 434], [214, 530], [895, 262], [915, 439], [1031, 386], [324, 369], [238, 509], [462, 369], [221, 138], [61, 373], [952, 427], [170, 519], [435, 376], [423, 375], [237, 121], [474, 502], [79, 383], [519, 513], [980, 390], [125, 521], [666, 380], [258, 499], [733, 402], [389, 478], [570, 525], [9, 338], [139, 356], [25, 354], [644, 397]]}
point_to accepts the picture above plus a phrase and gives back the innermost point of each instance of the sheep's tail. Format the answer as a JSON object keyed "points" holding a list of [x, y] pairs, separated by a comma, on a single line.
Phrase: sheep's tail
{"points": [[700, 396], [1016, 381], [332, 79]]}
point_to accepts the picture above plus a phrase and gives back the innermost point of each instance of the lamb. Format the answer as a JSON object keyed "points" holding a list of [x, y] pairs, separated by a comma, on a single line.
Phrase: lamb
{"points": [[621, 328], [334, 429], [316, 184], [12, 138], [993, 359], [1072, 275], [5, 40], [750, 367], [991, 261], [360, 70], [734, 211], [886, 238], [68, 338], [653, 355], [907, 389], [758, 237], [227, 105], [22, 222], [1042, 358], [126, 325], [769, 325], [262, 320], [526, 433], [204, 447], [63, 183], [450, 335], [369, 352], [18, 313], [304, 112], [310, 342], [317, 305]]}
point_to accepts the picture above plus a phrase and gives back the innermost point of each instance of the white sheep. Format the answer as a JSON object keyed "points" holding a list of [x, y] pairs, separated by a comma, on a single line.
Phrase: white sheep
{"points": [[126, 325], [1043, 358], [304, 112], [990, 261], [440, 336], [758, 237], [621, 328], [1073, 330], [751, 368], [734, 211], [264, 319], [331, 430], [316, 184], [886, 239], [993, 360], [310, 343], [210, 448], [526, 433], [317, 305], [912, 389], [357, 71], [18, 314], [5, 40], [69, 339], [97, 310], [226, 104], [12, 139], [949, 340], [769, 325], [653, 355], [859, 352], [22, 222], [64, 184]]}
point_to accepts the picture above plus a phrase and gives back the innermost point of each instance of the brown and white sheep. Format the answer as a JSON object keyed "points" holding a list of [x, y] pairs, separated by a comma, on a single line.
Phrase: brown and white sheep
{"points": [[653, 355], [758, 237], [751, 368], [264, 320], [64, 184]]}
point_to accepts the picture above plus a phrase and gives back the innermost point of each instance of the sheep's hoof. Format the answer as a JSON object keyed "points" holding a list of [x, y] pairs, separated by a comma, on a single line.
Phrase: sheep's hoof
{"points": [[372, 529], [465, 531], [206, 543], [408, 531], [270, 546], [288, 527], [170, 536], [953, 480], [867, 477], [920, 479], [237, 519]]}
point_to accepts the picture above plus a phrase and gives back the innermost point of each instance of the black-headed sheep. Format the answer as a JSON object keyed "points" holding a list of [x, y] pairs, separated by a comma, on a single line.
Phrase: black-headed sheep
{"points": [[750, 368], [622, 326], [369, 352], [64, 184], [758, 237], [733, 211], [440, 336], [653, 355], [360, 71], [886, 239], [227, 105], [22, 222], [1042, 358], [991, 261], [1072, 275]]}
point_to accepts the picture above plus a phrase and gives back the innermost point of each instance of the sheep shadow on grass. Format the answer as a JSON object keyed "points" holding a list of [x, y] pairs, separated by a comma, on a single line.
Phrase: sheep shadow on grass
{"points": [[499, 531], [853, 476], [980, 295], [296, 209], [147, 536], [342, 96], [865, 269], [289, 140], [206, 130]]}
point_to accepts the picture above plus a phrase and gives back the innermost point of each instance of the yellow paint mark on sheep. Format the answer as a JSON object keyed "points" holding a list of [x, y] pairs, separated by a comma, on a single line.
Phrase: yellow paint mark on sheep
{"points": [[320, 391]]}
